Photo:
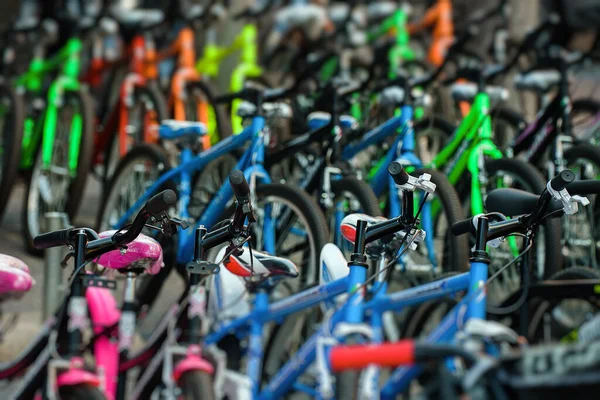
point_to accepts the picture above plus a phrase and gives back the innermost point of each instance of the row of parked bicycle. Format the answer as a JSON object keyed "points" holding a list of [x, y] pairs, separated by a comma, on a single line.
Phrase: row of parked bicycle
{"points": [[309, 197]]}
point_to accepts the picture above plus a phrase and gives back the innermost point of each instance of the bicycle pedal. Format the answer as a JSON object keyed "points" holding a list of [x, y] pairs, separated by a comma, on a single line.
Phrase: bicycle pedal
{"points": [[94, 281]]}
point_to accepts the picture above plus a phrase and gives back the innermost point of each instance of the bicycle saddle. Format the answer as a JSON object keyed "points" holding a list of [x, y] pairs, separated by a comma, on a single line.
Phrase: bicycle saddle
{"points": [[380, 10], [171, 129], [14, 277], [348, 226], [514, 202], [143, 254], [137, 18], [262, 265], [318, 119], [540, 81], [466, 91]]}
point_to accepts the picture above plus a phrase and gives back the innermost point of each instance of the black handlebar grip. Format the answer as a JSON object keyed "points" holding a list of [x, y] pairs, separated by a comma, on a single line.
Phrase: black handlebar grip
{"points": [[591, 186], [51, 239], [238, 183], [397, 172], [161, 202], [463, 227], [560, 181]]}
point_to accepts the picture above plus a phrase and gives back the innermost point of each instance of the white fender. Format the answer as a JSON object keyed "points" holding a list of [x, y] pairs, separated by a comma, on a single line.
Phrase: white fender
{"points": [[333, 265], [231, 299]]}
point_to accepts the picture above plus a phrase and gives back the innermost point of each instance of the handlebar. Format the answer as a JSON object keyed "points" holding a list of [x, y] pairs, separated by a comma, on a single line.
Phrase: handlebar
{"points": [[403, 352], [64, 237], [533, 209], [243, 210]]}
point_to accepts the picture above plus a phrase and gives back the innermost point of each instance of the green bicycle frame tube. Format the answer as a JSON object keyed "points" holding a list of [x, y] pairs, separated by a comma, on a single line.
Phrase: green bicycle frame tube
{"points": [[471, 142], [209, 65], [69, 58]]}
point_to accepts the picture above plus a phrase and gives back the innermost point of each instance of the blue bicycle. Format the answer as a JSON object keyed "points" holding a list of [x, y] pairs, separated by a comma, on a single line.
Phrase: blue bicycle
{"points": [[289, 222], [359, 317], [443, 209]]}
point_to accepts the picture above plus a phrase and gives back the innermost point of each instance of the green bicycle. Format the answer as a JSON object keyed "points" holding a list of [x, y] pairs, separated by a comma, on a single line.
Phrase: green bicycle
{"points": [[57, 134], [475, 166], [247, 69]]}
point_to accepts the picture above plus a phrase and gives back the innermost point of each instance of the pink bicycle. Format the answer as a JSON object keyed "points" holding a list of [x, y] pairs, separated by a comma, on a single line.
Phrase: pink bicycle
{"points": [[53, 366]]}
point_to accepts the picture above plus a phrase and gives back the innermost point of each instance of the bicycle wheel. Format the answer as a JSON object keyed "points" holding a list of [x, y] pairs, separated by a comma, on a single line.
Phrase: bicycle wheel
{"points": [[196, 385], [507, 124], [298, 225], [12, 115], [134, 175], [350, 196], [431, 135], [441, 248], [80, 392], [58, 189], [547, 255], [553, 321], [284, 342], [585, 120], [451, 253], [200, 105], [148, 109], [581, 232]]}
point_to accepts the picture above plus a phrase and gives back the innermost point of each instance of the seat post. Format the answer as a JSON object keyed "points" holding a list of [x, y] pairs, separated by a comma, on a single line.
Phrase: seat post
{"points": [[128, 313]]}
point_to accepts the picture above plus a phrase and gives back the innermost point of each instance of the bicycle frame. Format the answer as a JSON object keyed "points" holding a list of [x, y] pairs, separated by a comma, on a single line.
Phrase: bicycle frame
{"points": [[401, 150], [184, 48], [439, 18], [142, 68], [353, 311], [248, 67], [470, 143], [38, 360], [67, 60], [395, 24], [251, 163]]}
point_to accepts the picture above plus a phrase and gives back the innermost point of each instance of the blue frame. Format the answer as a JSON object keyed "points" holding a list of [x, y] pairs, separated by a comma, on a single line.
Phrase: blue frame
{"points": [[402, 150], [353, 311], [251, 163]]}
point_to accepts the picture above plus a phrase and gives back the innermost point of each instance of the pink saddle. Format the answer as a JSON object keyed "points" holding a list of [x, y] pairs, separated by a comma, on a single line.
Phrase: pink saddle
{"points": [[144, 253], [14, 277]]}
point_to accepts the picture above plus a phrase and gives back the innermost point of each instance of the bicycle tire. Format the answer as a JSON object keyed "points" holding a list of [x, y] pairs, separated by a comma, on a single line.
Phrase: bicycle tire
{"points": [[196, 385], [445, 130], [458, 245], [358, 190], [156, 97], [80, 392], [149, 286], [509, 118], [536, 184], [12, 137], [314, 219], [590, 156], [204, 88], [150, 152], [76, 186], [540, 307], [589, 106]]}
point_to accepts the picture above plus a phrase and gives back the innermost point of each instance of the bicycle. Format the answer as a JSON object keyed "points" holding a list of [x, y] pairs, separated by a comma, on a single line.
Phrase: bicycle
{"points": [[245, 42], [289, 213], [262, 279], [533, 209], [395, 94], [57, 165], [133, 116], [471, 150], [54, 363]]}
